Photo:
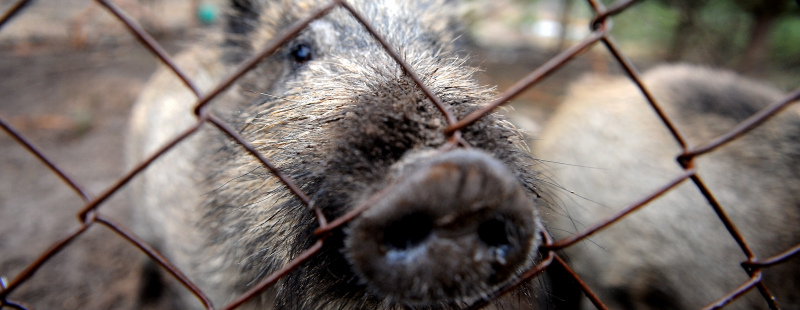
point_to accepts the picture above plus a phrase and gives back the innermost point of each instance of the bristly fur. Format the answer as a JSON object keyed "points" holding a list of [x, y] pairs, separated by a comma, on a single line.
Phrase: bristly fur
{"points": [[338, 125]]}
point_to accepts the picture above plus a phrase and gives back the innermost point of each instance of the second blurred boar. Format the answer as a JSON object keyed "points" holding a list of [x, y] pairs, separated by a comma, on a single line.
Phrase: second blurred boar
{"points": [[612, 150]]}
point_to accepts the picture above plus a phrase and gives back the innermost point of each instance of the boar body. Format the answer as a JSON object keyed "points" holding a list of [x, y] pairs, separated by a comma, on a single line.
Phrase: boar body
{"points": [[336, 114], [675, 253]]}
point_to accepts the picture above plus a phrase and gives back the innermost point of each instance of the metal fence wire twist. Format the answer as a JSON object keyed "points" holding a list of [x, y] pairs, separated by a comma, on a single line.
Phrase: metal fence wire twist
{"points": [[91, 212]]}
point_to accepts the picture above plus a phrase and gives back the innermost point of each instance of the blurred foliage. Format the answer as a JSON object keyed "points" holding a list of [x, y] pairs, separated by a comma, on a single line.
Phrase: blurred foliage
{"points": [[748, 35], [786, 41], [646, 26]]}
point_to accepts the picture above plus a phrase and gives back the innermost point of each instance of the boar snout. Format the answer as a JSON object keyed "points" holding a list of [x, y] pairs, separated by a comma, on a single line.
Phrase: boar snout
{"points": [[450, 228]]}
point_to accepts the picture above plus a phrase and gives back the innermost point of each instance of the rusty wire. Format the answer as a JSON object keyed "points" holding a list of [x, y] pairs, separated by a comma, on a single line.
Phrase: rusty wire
{"points": [[622, 213], [90, 213], [13, 11]]}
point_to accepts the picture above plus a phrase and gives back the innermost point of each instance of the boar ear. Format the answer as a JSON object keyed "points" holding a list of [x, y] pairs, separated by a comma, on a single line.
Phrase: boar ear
{"points": [[241, 18]]}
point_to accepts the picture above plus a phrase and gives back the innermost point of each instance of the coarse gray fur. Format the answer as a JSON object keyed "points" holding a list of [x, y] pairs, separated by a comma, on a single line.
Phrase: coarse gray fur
{"points": [[611, 150], [343, 125]]}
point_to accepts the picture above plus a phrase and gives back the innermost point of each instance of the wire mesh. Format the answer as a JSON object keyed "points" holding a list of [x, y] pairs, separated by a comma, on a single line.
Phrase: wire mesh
{"points": [[92, 214]]}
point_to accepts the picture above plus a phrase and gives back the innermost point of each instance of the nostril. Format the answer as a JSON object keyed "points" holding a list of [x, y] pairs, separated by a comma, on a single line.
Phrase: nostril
{"points": [[450, 228], [409, 231], [494, 233]]}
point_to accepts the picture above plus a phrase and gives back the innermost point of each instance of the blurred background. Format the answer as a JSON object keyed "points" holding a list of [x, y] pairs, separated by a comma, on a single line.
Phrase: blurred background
{"points": [[70, 73], [758, 38]]}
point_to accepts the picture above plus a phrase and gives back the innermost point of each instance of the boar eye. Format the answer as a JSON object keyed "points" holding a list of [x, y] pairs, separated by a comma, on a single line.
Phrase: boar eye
{"points": [[301, 53]]}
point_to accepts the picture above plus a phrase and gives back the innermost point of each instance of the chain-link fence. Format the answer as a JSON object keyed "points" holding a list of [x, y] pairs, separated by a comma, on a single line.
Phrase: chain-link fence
{"points": [[92, 212]]}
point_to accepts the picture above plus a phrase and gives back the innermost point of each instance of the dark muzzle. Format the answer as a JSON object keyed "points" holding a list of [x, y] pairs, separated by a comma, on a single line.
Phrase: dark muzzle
{"points": [[450, 228]]}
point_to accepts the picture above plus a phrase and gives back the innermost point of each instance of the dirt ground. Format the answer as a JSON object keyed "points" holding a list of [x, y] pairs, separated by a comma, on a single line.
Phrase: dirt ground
{"points": [[74, 106], [70, 75]]}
